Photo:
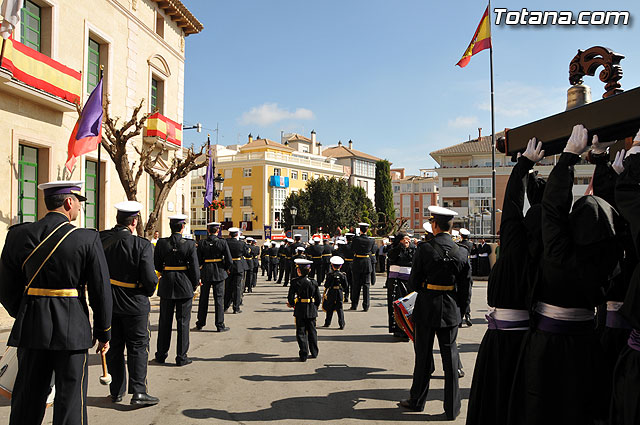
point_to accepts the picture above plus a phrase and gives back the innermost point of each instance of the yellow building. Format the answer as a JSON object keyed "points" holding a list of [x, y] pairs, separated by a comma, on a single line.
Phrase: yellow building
{"points": [[258, 177], [53, 61]]}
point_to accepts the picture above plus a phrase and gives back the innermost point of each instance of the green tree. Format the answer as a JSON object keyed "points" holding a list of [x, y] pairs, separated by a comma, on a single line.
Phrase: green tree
{"points": [[385, 211], [328, 203]]}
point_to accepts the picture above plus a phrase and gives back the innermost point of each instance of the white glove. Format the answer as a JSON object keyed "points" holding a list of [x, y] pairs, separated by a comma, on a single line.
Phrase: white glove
{"points": [[635, 148], [577, 143], [599, 148], [617, 165], [534, 151]]}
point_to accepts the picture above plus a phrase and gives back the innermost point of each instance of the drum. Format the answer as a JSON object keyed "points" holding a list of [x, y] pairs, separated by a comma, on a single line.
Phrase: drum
{"points": [[402, 312], [8, 372]]}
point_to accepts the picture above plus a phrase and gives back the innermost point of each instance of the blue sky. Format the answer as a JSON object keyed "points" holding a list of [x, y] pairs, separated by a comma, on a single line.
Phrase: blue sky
{"points": [[382, 72]]}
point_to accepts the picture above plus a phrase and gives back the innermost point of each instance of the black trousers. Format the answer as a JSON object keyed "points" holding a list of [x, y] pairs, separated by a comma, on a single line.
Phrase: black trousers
{"points": [[423, 347], [33, 385], [339, 311], [396, 289], [133, 333], [182, 308], [248, 281], [233, 291], [218, 301], [282, 270], [373, 275], [264, 265], [347, 293], [254, 278], [272, 274], [307, 337], [317, 271], [361, 281]]}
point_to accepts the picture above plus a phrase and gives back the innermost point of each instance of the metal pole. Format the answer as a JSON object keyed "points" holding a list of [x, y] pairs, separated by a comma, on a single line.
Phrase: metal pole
{"points": [[99, 166], [493, 139]]}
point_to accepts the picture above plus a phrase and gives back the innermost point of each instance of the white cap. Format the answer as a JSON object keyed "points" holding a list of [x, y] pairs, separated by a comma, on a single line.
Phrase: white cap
{"points": [[214, 223], [464, 232], [302, 262], [129, 207], [250, 239], [266, 243], [316, 238], [331, 242], [454, 232], [233, 230], [242, 236], [427, 227], [349, 234], [341, 242], [337, 260], [363, 225], [297, 235], [274, 243], [436, 210], [289, 240], [178, 217], [300, 248], [385, 241]]}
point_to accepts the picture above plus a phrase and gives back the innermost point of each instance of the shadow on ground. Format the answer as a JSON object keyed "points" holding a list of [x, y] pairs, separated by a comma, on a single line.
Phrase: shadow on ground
{"points": [[335, 406], [331, 372], [248, 357]]}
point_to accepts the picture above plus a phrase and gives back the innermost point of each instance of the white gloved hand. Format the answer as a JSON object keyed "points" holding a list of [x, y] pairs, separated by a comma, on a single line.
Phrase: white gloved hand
{"points": [[534, 151], [617, 165], [600, 148], [577, 143]]}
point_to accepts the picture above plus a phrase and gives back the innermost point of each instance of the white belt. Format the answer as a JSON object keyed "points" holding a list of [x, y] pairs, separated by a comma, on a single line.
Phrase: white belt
{"points": [[614, 305], [483, 255], [566, 314], [473, 256], [508, 314], [400, 269]]}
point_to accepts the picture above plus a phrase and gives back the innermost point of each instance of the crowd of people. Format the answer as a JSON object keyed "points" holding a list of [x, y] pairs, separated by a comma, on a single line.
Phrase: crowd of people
{"points": [[563, 337]]}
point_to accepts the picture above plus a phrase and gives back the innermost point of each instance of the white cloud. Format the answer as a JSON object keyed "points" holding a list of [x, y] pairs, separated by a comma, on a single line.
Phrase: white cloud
{"points": [[269, 113], [522, 102], [463, 122]]}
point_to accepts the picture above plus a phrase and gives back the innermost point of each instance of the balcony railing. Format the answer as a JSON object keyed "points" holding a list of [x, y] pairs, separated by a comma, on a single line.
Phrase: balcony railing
{"points": [[39, 77], [228, 202], [162, 128], [284, 159]]}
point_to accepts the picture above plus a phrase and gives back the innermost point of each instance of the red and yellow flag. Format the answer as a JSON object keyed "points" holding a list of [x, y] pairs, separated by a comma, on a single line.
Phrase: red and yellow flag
{"points": [[481, 40]]}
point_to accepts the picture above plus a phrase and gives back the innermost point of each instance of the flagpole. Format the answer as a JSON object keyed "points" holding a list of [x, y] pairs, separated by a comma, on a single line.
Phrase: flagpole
{"points": [[493, 139], [98, 173]]}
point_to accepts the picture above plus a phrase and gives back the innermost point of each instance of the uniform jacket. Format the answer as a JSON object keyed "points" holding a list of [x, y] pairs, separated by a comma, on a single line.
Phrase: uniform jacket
{"points": [[345, 251], [175, 251], [255, 253], [314, 253], [56, 323], [130, 260], [398, 255], [327, 252], [440, 308], [273, 255], [212, 248], [304, 288], [335, 284], [238, 250], [362, 246]]}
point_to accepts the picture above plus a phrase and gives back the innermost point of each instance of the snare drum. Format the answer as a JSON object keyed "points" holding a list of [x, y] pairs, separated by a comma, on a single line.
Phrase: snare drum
{"points": [[8, 372], [402, 312]]}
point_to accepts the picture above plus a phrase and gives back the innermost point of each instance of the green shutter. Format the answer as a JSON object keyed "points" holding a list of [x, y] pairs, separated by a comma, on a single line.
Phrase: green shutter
{"points": [[30, 20], [28, 184], [90, 205], [154, 94], [93, 65], [152, 195]]}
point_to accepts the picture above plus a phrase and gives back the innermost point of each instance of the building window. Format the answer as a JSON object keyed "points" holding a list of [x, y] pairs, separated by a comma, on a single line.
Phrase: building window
{"points": [[364, 168], [479, 185], [228, 201], [416, 224], [294, 175], [246, 216], [27, 184], [246, 172], [159, 24], [198, 216], [151, 204], [396, 188], [30, 25], [90, 182], [276, 171], [425, 212], [305, 177], [157, 95], [228, 174], [93, 65], [278, 196], [245, 201], [416, 210]]}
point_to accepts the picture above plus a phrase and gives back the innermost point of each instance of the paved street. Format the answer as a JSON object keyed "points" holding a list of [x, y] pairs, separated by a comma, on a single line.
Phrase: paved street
{"points": [[251, 374]]}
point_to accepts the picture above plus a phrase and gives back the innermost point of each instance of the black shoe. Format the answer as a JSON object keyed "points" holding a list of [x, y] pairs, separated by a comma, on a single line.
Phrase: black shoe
{"points": [[116, 398], [342, 327], [184, 362], [144, 399], [222, 329], [326, 325], [313, 356], [303, 358], [353, 308], [365, 309], [237, 311], [197, 328], [285, 284], [461, 373], [158, 360], [407, 404], [467, 320]]}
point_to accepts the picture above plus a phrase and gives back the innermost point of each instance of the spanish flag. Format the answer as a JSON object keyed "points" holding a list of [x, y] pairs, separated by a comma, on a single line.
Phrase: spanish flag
{"points": [[481, 40]]}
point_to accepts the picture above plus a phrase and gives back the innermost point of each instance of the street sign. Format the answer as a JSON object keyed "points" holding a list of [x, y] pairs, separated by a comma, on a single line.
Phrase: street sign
{"points": [[302, 230]]}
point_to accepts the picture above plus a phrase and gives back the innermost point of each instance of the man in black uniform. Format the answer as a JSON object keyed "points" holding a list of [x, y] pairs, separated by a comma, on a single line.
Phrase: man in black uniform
{"points": [[176, 258], [374, 261], [484, 265], [133, 281], [293, 252], [273, 262], [468, 245], [264, 257], [441, 275], [314, 253], [346, 252], [233, 287], [327, 253], [214, 255], [304, 297], [362, 245], [52, 329]]}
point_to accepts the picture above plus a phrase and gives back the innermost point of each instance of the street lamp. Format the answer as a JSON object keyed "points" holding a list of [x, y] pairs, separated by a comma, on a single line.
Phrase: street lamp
{"points": [[294, 213], [218, 182]]}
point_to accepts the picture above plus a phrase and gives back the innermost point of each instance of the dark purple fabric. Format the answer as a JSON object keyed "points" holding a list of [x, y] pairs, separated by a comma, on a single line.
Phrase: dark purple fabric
{"points": [[90, 123], [209, 182], [567, 327], [66, 190], [634, 340], [617, 321], [506, 324]]}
